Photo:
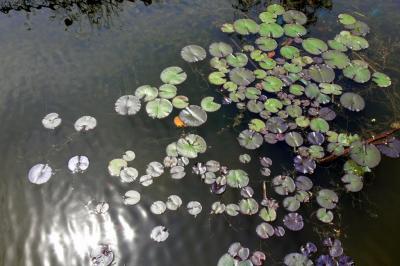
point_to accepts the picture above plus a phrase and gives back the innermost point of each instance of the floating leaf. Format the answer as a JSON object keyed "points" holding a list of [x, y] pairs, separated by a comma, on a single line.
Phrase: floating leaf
{"points": [[173, 75], [293, 221], [241, 76], [167, 91], [146, 180], [193, 116], [158, 207], [314, 46], [131, 197], [290, 52], [191, 145], [353, 42], [294, 30], [51, 121], [319, 125], [346, 19], [327, 198], [85, 123], [294, 16], [265, 230], [353, 183], [194, 208], [352, 101], [237, 178], [273, 105], [324, 215], [159, 108], [268, 214], [358, 71], [40, 174], [283, 185], [336, 59], [209, 105], [115, 166], [159, 233], [267, 17], [303, 183], [294, 139], [250, 139], [220, 49], [217, 78], [391, 148], [237, 60], [256, 124], [276, 9], [322, 73], [276, 125], [155, 169], [227, 28], [365, 154], [226, 260], [173, 202], [266, 44], [128, 174], [101, 255], [245, 26], [248, 206], [272, 30], [180, 101], [304, 165], [381, 79], [146, 92], [78, 164], [193, 53]]}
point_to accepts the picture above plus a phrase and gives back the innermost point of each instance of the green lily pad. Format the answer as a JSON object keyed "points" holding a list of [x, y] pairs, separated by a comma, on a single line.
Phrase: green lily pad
{"points": [[252, 93], [291, 204], [115, 166], [276, 9], [167, 91], [272, 84], [146, 92], [227, 28], [267, 63], [338, 46], [241, 76], [220, 64], [260, 74], [283, 185], [327, 198], [191, 145], [248, 206], [324, 215], [302, 121], [294, 30], [294, 139], [226, 260], [351, 41], [358, 71], [353, 183], [294, 16], [193, 53], [209, 105], [352, 101], [381, 79], [272, 30], [159, 108], [292, 68], [314, 46], [346, 19], [237, 178], [255, 106], [217, 78], [266, 44], [330, 88], [173, 75], [180, 101], [250, 139], [268, 17], [246, 26], [296, 89], [319, 125], [322, 73], [273, 105], [268, 214], [290, 52], [365, 154], [294, 110], [220, 49], [237, 59], [336, 59], [256, 124]]}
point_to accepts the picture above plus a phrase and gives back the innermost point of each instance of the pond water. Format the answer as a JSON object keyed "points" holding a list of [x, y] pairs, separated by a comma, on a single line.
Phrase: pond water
{"points": [[77, 59]]}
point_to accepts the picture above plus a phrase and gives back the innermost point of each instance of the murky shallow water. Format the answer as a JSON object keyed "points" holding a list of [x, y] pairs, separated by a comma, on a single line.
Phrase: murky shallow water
{"points": [[83, 68]]}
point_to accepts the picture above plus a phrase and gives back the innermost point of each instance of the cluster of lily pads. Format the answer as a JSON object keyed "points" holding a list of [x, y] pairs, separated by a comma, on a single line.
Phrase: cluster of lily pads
{"points": [[288, 84]]}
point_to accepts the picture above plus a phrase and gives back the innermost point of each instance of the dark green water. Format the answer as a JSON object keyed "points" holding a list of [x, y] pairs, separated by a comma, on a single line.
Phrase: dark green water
{"points": [[110, 50]]}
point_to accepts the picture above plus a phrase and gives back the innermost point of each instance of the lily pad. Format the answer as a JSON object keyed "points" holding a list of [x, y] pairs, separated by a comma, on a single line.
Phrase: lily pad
{"points": [[180, 101], [237, 178], [336, 59], [290, 52], [146, 92], [167, 91], [273, 105], [324, 215], [173, 75], [237, 60], [209, 105], [294, 30], [266, 44], [245, 26], [127, 105], [51, 121], [248, 206], [381, 79], [40, 174], [271, 30], [365, 154], [314, 46], [191, 145], [297, 259], [158, 207], [159, 108], [220, 49], [193, 53], [353, 183], [293, 221], [322, 73], [85, 123], [241, 76], [250, 139], [294, 16], [78, 164], [327, 198], [159, 233], [265, 230], [352, 101], [155, 169], [319, 125], [283, 185], [115, 166], [194, 208], [346, 19], [358, 71], [272, 84], [294, 139], [132, 197], [193, 116]]}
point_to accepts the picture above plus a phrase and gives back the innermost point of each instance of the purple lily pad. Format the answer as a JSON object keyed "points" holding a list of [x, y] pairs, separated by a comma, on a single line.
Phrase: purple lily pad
{"points": [[293, 221]]}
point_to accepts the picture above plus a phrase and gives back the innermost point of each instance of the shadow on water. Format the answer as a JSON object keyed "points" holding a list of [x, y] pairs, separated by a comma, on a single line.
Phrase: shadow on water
{"points": [[83, 70]]}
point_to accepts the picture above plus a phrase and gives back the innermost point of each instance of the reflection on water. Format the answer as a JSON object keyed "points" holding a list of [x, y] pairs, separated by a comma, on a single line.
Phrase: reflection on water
{"points": [[81, 70]]}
